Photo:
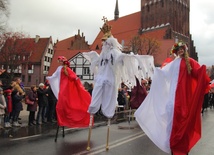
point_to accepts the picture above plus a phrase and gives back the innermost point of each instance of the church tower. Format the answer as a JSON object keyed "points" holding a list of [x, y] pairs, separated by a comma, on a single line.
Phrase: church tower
{"points": [[116, 11], [156, 13]]}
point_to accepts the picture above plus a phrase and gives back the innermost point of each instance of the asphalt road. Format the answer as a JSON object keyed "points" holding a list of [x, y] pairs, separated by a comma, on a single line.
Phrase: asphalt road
{"points": [[124, 139]]}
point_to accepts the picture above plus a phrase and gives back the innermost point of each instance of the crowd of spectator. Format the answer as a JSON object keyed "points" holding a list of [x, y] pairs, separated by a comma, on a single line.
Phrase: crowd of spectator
{"points": [[13, 97], [43, 107], [208, 100]]}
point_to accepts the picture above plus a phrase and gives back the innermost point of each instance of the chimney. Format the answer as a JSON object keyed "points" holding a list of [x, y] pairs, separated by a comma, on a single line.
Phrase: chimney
{"points": [[37, 38]]}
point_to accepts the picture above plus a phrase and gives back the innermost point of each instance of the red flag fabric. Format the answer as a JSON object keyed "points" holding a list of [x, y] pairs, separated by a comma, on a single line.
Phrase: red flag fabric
{"points": [[73, 102], [73, 99]]}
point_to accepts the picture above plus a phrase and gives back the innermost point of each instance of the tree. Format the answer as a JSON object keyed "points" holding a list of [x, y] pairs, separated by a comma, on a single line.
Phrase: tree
{"points": [[15, 50], [144, 45], [4, 13], [136, 44]]}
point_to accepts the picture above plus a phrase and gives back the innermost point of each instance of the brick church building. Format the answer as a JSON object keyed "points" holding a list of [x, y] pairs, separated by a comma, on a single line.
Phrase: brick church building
{"points": [[166, 21]]}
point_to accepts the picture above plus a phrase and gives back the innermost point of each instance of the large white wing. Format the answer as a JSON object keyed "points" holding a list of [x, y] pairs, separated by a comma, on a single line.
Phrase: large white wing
{"points": [[132, 66], [146, 66], [93, 58]]}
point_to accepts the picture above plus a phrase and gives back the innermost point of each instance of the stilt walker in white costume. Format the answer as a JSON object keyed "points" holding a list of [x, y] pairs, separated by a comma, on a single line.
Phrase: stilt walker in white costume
{"points": [[109, 68]]}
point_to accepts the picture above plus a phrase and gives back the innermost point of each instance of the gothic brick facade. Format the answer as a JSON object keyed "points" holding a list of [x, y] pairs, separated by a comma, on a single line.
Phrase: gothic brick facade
{"points": [[158, 12]]}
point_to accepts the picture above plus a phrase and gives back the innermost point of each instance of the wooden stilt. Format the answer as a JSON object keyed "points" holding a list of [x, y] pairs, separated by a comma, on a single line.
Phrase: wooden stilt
{"points": [[63, 131], [89, 133], [57, 130], [107, 147]]}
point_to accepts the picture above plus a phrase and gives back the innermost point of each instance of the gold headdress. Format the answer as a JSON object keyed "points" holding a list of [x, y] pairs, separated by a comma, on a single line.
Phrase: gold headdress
{"points": [[106, 29]]}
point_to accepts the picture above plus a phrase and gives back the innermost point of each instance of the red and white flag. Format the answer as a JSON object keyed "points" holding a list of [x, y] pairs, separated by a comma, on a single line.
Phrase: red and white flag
{"points": [[171, 113]]}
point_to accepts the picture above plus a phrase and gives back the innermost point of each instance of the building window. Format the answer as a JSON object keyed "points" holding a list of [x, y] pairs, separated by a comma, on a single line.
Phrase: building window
{"points": [[97, 47], [30, 68], [23, 78], [29, 78], [74, 69], [86, 71], [147, 8]]}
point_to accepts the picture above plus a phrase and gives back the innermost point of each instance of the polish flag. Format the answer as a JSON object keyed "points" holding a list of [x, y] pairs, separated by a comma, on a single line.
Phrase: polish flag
{"points": [[170, 115]]}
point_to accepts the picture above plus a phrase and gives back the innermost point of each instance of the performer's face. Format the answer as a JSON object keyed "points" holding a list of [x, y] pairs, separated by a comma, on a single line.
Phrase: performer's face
{"points": [[180, 52], [60, 62]]}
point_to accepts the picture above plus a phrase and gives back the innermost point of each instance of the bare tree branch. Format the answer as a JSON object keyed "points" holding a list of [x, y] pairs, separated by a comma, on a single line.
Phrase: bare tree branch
{"points": [[144, 45], [4, 14], [15, 49]]}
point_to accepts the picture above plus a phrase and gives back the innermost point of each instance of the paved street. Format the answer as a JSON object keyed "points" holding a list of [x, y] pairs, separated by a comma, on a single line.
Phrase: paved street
{"points": [[124, 139]]}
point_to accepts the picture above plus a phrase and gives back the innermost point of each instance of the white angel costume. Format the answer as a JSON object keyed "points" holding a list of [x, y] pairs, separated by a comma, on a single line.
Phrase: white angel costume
{"points": [[110, 68]]}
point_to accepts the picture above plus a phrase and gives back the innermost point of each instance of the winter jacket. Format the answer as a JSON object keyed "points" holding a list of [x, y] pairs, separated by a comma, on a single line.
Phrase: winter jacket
{"points": [[32, 96], [42, 97], [16, 100]]}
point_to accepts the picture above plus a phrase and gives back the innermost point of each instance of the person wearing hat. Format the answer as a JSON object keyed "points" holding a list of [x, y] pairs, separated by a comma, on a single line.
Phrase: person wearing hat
{"points": [[72, 98], [174, 103]]}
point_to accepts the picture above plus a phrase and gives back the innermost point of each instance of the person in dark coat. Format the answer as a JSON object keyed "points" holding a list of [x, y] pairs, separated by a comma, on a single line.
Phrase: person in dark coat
{"points": [[17, 106], [42, 103], [211, 98], [51, 113], [32, 108]]}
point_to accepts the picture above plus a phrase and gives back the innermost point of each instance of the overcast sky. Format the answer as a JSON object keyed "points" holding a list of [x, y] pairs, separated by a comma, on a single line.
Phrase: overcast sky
{"points": [[62, 19]]}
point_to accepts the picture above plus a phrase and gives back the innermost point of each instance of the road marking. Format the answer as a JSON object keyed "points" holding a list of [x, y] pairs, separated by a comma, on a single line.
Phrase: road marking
{"points": [[113, 144], [22, 138]]}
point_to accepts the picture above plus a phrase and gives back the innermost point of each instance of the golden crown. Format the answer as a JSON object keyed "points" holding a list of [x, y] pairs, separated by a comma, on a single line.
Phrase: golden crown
{"points": [[106, 29]]}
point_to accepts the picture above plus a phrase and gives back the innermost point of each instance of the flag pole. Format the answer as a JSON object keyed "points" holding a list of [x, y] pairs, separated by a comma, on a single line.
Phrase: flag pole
{"points": [[107, 147], [89, 133]]}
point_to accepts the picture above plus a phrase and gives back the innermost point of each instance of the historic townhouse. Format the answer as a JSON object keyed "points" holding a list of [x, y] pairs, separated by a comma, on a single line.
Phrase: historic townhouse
{"points": [[34, 62]]}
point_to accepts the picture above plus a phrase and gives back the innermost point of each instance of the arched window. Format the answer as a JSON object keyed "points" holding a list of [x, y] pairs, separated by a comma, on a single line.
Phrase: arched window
{"points": [[147, 8]]}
